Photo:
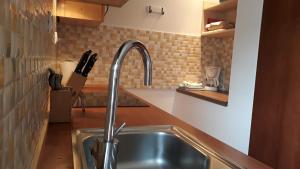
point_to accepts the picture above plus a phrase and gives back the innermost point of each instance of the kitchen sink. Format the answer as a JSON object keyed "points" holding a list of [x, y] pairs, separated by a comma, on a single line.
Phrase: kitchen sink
{"points": [[148, 147]]}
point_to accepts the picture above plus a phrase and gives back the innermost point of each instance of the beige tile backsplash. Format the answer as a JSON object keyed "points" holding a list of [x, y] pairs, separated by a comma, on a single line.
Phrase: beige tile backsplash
{"points": [[217, 52], [26, 51], [175, 57]]}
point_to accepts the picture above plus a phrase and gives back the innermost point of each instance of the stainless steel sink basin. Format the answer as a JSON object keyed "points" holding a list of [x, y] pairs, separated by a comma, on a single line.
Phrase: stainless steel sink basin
{"points": [[149, 147]]}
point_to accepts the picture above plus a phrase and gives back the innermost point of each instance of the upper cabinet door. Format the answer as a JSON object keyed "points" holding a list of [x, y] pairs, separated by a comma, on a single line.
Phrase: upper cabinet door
{"points": [[117, 3], [78, 12], [83, 10]]}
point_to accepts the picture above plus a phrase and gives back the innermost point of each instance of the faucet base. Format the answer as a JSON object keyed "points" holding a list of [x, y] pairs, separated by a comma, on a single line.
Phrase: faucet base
{"points": [[105, 154]]}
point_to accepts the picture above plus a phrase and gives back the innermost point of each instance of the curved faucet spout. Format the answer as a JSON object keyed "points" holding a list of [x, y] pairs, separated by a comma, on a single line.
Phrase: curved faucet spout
{"points": [[113, 94], [122, 52]]}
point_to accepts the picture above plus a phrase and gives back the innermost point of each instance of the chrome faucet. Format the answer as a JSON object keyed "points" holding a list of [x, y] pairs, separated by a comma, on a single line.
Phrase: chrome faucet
{"points": [[110, 142]]}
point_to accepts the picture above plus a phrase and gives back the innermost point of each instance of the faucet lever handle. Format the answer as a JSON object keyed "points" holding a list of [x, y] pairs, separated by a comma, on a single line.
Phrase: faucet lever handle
{"points": [[117, 131]]}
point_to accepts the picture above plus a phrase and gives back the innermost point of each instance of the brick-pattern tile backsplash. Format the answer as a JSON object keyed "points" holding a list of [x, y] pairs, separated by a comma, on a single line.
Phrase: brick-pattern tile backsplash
{"points": [[217, 52], [175, 57], [26, 51]]}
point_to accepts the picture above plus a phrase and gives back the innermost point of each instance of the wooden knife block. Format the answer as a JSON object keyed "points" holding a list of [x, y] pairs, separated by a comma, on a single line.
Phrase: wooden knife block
{"points": [[60, 106], [61, 101], [76, 82]]}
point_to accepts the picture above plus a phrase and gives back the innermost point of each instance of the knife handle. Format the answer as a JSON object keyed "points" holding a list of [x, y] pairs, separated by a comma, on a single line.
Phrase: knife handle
{"points": [[83, 60], [89, 65]]}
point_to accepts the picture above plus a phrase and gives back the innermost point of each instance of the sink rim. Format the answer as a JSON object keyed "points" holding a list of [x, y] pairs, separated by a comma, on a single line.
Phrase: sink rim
{"points": [[82, 134]]}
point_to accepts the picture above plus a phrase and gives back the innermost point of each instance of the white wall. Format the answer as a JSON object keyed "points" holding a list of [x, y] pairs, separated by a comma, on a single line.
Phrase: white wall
{"points": [[231, 124], [161, 98], [181, 17]]}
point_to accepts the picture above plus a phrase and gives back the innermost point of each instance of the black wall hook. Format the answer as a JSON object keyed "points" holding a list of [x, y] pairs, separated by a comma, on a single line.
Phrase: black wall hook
{"points": [[150, 10]]}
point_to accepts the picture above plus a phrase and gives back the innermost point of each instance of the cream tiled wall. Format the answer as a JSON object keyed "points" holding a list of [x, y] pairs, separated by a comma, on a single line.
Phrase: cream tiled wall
{"points": [[175, 57], [217, 52], [26, 51]]}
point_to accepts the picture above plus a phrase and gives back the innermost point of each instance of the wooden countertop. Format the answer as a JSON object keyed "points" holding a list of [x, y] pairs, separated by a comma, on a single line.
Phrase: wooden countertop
{"points": [[57, 149], [215, 97]]}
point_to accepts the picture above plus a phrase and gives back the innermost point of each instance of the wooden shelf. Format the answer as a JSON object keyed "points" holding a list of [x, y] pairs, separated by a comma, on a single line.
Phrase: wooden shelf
{"points": [[76, 21], [214, 97], [225, 11], [223, 6], [219, 33]]}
